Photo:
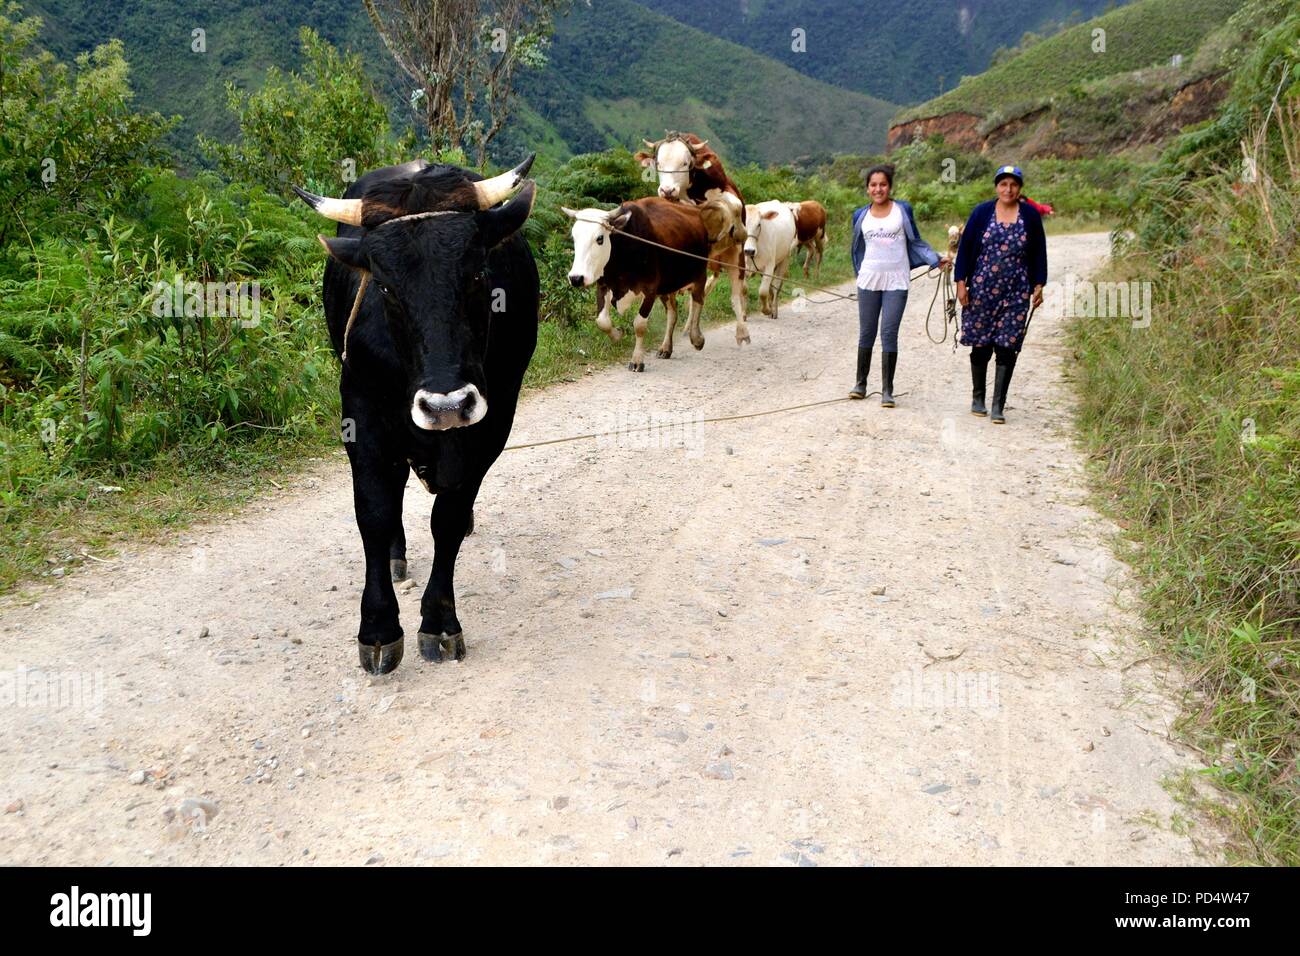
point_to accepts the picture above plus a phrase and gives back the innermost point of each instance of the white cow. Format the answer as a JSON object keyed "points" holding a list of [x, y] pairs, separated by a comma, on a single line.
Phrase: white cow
{"points": [[769, 244]]}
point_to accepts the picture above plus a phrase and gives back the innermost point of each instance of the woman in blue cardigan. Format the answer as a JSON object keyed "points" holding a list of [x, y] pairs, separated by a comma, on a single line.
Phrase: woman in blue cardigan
{"points": [[1001, 269], [886, 247]]}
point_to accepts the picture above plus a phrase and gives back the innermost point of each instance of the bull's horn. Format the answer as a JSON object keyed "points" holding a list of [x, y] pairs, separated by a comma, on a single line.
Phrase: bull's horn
{"points": [[492, 191], [650, 144], [700, 145], [340, 210]]}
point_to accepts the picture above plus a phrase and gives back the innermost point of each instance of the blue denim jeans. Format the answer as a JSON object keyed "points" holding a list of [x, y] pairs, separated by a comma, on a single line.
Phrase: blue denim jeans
{"points": [[871, 307]]}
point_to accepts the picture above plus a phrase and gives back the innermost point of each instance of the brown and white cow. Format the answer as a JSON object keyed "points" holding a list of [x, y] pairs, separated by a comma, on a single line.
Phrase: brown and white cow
{"points": [[690, 172], [810, 226], [605, 255]]}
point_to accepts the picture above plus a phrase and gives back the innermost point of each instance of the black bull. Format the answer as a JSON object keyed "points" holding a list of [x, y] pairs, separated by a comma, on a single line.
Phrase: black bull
{"points": [[446, 325]]}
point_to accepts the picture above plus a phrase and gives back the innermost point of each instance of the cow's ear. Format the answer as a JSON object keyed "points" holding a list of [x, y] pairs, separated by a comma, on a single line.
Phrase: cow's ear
{"points": [[347, 250], [644, 158], [498, 224], [619, 219], [770, 214], [705, 165]]}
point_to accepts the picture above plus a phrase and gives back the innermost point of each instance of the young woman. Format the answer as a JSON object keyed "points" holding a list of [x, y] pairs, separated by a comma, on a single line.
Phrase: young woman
{"points": [[886, 247], [1001, 269]]}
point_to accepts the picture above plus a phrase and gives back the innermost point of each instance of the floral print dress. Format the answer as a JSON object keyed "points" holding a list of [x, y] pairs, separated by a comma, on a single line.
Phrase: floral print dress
{"points": [[999, 288]]}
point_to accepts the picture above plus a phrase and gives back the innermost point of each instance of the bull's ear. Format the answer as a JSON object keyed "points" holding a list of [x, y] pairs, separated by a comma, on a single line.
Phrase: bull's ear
{"points": [[499, 224], [705, 165], [642, 157], [346, 250]]}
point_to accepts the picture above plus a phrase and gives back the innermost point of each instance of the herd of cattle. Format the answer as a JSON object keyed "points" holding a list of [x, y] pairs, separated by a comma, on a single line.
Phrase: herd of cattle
{"points": [[431, 297], [636, 249]]}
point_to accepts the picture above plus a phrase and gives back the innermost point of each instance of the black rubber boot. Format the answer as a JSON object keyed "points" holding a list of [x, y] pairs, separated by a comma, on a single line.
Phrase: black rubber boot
{"points": [[864, 366], [1001, 382], [979, 370], [888, 362]]}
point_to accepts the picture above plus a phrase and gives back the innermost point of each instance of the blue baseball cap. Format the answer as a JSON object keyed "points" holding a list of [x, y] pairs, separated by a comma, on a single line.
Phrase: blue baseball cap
{"points": [[1009, 171]]}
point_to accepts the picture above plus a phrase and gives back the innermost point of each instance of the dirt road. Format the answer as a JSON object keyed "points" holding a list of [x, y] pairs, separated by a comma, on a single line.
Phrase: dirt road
{"points": [[844, 635]]}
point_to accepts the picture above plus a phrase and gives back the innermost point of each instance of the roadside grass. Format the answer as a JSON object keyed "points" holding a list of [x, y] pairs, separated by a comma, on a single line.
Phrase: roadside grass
{"points": [[1193, 426], [75, 524]]}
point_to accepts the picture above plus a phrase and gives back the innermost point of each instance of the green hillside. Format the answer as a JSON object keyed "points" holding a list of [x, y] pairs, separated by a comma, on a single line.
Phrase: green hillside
{"points": [[1143, 34], [895, 49]]}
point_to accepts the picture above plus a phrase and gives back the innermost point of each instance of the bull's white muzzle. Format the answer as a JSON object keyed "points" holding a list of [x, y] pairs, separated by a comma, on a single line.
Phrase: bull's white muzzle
{"points": [[433, 411]]}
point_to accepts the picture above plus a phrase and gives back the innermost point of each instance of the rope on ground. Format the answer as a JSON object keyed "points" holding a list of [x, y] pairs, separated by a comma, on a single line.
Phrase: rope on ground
{"points": [[705, 421]]}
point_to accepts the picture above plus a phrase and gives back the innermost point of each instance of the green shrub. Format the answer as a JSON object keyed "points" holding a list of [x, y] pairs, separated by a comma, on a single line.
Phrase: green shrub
{"points": [[320, 128]]}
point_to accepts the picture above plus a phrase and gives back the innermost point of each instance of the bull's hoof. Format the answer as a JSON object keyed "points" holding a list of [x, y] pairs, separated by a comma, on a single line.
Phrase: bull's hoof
{"points": [[742, 338], [398, 567], [765, 310], [636, 366], [380, 658], [441, 647], [665, 353], [698, 343]]}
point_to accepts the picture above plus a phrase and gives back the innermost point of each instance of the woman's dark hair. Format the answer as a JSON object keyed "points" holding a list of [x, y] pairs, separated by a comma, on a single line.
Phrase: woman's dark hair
{"points": [[885, 169]]}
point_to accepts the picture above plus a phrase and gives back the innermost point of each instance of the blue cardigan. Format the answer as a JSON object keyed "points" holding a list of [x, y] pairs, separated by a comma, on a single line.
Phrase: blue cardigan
{"points": [[919, 252], [972, 242]]}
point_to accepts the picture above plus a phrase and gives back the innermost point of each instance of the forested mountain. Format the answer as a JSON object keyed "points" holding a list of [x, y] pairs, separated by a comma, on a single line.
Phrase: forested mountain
{"points": [[619, 69], [620, 72]]}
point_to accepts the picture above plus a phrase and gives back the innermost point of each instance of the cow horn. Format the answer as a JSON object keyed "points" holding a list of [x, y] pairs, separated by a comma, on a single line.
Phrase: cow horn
{"points": [[650, 144], [492, 191], [340, 210]]}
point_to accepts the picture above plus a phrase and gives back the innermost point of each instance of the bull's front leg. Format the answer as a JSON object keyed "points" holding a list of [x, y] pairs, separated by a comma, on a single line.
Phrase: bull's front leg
{"points": [[640, 324], [739, 299], [397, 550], [693, 318], [670, 308], [604, 296], [377, 497], [441, 636]]}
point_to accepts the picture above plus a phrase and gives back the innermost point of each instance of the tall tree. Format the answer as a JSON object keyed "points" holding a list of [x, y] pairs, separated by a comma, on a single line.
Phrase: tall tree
{"points": [[462, 56]]}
